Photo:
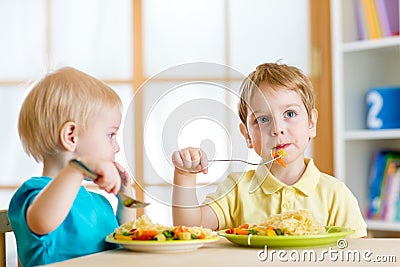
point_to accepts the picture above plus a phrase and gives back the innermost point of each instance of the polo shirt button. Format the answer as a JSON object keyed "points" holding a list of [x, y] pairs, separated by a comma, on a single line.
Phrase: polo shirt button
{"points": [[287, 192]]}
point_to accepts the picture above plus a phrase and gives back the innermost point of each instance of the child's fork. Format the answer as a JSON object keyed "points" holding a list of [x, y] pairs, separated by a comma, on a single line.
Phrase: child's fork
{"points": [[244, 161], [127, 201]]}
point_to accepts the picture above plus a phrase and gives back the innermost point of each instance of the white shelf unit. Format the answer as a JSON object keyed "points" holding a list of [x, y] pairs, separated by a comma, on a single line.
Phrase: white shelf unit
{"points": [[383, 225], [358, 66]]}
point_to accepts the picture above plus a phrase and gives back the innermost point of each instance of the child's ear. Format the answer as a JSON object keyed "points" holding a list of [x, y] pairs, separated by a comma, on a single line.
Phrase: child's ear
{"points": [[68, 136], [245, 133], [312, 124]]}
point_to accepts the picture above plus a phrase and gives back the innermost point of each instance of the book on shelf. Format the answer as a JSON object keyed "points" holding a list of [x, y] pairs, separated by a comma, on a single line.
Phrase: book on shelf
{"points": [[384, 199], [361, 21], [383, 16], [377, 18], [390, 203]]}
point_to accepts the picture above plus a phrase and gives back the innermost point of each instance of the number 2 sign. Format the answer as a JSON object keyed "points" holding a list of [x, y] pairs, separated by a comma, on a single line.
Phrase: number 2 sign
{"points": [[383, 108]]}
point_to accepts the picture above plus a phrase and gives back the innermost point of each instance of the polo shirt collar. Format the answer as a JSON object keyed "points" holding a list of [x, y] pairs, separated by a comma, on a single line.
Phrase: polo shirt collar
{"points": [[269, 184]]}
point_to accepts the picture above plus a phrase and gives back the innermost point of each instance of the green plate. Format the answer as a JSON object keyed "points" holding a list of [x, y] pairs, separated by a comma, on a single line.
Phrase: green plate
{"points": [[334, 234], [162, 246]]}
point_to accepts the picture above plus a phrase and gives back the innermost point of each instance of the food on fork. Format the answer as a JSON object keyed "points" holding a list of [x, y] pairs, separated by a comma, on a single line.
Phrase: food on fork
{"points": [[282, 153], [299, 222], [144, 229], [279, 155]]}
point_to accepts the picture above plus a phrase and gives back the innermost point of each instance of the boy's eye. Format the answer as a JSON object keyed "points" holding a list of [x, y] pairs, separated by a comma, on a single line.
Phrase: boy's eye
{"points": [[290, 114], [112, 135], [262, 119]]}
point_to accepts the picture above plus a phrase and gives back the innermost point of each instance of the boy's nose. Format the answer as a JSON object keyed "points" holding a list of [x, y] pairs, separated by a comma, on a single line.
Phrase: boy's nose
{"points": [[275, 133], [116, 148], [277, 129]]}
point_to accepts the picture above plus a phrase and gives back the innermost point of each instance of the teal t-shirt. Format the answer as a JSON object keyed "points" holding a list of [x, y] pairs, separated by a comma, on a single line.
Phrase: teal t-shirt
{"points": [[89, 221]]}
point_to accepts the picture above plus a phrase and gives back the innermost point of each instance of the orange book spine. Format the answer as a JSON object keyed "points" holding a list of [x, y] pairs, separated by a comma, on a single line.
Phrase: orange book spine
{"points": [[369, 15], [376, 21]]}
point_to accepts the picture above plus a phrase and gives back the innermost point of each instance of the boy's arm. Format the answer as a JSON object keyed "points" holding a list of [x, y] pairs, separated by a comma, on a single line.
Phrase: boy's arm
{"points": [[185, 205]]}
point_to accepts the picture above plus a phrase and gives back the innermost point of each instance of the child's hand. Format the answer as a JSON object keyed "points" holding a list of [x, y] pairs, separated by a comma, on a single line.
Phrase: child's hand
{"points": [[190, 160], [126, 180], [109, 179]]}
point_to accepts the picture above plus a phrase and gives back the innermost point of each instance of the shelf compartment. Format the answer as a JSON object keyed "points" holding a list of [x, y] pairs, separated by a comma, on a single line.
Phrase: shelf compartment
{"points": [[363, 70], [356, 164], [359, 135], [383, 225], [364, 45]]}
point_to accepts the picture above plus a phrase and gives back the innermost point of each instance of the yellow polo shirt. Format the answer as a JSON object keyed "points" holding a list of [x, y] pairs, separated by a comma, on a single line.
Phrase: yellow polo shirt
{"points": [[253, 196]]}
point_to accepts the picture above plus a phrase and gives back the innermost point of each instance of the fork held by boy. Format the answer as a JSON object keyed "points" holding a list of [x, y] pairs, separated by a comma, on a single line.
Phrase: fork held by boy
{"points": [[244, 161], [127, 201], [276, 155]]}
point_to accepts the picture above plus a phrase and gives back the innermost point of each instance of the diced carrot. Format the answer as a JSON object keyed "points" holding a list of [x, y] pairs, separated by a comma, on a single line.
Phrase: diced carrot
{"points": [[178, 230], [280, 161], [281, 153], [149, 233], [245, 226], [201, 236], [241, 231]]}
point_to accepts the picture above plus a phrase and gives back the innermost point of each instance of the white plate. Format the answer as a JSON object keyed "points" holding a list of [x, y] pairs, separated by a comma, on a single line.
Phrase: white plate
{"points": [[162, 246]]}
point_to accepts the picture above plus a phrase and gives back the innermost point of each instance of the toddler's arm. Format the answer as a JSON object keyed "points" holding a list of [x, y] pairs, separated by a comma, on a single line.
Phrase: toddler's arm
{"points": [[53, 203], [185, 205], [125, 214]]}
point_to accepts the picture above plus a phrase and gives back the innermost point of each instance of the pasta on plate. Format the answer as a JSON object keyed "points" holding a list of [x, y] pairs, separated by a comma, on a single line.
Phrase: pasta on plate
{"points": [[294, 223], [299, 222]]}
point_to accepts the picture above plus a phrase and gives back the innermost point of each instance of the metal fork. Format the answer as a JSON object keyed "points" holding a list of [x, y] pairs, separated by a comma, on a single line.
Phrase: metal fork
{"points": [[244, 161], [127, 201]]}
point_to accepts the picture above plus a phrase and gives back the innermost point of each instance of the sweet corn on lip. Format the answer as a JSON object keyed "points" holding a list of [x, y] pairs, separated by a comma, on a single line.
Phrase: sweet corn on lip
{"points": [[282, 153]]}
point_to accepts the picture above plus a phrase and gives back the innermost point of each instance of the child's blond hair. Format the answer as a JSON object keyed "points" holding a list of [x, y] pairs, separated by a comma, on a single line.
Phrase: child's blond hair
{"points": [[276, 75], [61, 96]]}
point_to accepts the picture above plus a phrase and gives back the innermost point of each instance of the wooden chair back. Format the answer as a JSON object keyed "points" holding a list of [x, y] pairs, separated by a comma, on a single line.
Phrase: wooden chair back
{"points": [[5, 227]]}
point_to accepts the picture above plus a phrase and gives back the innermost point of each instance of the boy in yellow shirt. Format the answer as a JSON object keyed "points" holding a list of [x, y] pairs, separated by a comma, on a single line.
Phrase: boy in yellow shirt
{"points": [[277, 111]]}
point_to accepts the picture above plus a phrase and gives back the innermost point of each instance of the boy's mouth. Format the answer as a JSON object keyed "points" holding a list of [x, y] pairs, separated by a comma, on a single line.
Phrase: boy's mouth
{"points": [[281, 146]]}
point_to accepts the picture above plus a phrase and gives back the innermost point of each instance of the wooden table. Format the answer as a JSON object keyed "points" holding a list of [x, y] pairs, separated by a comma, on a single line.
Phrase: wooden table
{"points": [[366, 251]]}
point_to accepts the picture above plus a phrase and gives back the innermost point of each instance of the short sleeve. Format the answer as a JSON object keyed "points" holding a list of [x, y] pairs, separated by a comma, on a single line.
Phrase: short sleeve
{"points": [[20, 202], [346, 212]]}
